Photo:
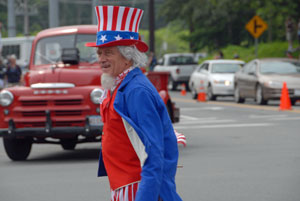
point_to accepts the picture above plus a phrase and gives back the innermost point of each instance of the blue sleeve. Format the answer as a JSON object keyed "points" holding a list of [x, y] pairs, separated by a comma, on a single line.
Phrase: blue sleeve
{"points": [[144, 109]]}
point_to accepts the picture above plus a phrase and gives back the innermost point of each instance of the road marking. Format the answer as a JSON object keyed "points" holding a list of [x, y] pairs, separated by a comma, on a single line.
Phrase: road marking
{"points": [[253, 116], [207, 121], [224, 126], [188, 117], [259, 107], [201, 108], [286, 118], [185, 117]]}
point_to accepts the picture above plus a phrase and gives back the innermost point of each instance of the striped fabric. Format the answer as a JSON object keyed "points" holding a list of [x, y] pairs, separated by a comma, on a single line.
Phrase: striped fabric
{"points": [[180, 138], [126, 193], [118, 18]]}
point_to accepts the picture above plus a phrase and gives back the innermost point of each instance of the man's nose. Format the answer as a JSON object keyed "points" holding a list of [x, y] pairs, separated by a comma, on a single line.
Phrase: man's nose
{"points": [[102, 58]]}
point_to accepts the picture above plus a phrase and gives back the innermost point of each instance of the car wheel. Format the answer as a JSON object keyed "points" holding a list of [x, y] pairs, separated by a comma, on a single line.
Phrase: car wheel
{"points": [[210, 94], [172, 85], [293, 101], [194, 92], [259, 98], [237, 95], [68, 144], [17, 149]]}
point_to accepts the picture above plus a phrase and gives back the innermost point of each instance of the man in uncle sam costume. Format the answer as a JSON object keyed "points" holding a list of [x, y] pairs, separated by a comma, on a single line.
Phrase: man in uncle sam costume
{"points": [[139, 148]]}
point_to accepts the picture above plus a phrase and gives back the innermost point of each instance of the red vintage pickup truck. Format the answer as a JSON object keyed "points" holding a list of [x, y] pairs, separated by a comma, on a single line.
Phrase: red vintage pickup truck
{"points": [[59, 101]]}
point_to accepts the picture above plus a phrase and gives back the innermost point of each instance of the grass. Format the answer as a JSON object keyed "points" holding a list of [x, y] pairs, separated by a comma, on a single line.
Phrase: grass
{"points": [[274, 49]]}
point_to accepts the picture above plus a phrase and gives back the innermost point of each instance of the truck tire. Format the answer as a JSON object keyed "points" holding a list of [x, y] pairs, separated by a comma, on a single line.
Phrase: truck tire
{"points": [[68, 144], [17, 149]]}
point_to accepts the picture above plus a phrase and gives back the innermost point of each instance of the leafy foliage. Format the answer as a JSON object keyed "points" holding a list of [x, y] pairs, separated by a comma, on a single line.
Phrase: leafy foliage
{"points": [[216, 23]]}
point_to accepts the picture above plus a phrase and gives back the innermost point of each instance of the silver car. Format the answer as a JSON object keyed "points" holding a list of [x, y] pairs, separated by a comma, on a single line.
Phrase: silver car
{"points": [[262, 80], [215, 78]]}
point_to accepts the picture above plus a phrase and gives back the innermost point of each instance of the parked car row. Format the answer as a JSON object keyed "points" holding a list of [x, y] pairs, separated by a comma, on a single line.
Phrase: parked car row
{"points": [[259, 79]]}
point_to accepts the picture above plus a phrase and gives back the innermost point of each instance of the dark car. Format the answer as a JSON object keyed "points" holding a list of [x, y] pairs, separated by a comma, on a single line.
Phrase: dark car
{"points": [[262, 79]]}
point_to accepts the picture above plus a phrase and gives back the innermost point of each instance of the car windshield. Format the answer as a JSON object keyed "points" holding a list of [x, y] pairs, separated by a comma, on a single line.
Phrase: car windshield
{"points": [[181, 60], [48, 50], [225, 68], [279, 67]]}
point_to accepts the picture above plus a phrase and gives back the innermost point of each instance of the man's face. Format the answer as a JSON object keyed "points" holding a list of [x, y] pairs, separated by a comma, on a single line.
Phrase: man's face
{"points": [[111, 61]]}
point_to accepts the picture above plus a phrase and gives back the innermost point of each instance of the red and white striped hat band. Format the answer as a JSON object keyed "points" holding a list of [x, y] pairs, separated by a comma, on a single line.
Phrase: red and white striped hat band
{"points": [[118, 25]]}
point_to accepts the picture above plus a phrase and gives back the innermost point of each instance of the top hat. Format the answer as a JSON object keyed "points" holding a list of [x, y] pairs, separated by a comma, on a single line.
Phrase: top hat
{"points": [[118, 26]]}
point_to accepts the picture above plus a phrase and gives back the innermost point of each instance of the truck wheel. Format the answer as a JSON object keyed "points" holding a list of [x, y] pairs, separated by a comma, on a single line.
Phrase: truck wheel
{"points": [[17, 149], [68, 144]]}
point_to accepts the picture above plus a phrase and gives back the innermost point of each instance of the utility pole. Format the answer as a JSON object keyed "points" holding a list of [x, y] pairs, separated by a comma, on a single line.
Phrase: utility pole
{"points": [[11, 19], [94, 17], [26, 18], [151, 27], [53, 13]]}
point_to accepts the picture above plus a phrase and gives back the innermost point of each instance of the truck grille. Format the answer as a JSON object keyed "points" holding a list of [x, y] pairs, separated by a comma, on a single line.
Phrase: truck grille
{"points": [[45, 102], [65, 111], [34, 103]]}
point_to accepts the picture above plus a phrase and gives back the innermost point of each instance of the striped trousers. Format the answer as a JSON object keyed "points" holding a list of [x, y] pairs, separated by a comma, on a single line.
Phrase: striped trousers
{"points": [[126, 193]]}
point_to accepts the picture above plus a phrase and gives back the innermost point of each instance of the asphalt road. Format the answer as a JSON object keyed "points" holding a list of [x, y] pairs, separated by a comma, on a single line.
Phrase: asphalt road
{"points": [[235, 152]]}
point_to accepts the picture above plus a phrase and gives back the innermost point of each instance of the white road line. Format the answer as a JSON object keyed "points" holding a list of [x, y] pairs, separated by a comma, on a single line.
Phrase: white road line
{"points": [[285, 118], [207, 121], [224, 126], [185, 117], [202, 108], [266, 116], [188, 117]]}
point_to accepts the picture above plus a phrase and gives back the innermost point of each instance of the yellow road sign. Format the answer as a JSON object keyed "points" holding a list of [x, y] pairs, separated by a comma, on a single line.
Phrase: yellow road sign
{"points": [[256, 26]]}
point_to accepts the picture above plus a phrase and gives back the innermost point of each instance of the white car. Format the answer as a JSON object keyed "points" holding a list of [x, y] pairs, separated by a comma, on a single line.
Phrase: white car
{"points": [[215, 78]]}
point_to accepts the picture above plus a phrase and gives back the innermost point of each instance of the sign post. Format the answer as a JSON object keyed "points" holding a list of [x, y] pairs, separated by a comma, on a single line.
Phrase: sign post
{"points": [[256, 26]]}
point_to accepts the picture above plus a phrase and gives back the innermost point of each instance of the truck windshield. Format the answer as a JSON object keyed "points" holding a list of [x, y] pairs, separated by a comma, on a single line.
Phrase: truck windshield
{"points": [[181, 60], [48, 50]]}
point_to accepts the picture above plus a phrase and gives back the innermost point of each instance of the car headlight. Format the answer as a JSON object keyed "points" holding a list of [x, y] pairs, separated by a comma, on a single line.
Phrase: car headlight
{"points": [[6, 98], [225, 82], [96, 94], [275, 84]]}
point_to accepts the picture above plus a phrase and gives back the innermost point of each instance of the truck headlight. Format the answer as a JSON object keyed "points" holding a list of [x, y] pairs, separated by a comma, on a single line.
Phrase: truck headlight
{"points": [[6, 98], [96, 94]]}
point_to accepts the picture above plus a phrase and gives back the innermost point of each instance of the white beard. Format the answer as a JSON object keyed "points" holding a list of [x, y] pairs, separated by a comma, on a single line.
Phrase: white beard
{"points": [[107, 81]]}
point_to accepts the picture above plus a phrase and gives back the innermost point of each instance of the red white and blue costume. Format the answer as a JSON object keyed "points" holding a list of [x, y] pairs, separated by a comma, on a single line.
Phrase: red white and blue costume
{"points": [[138, 143], [139, 147]]}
